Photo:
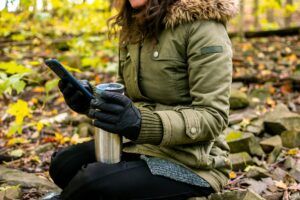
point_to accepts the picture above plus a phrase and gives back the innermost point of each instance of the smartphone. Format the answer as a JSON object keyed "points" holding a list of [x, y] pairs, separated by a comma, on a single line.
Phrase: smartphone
{"points": [[63, 74]]}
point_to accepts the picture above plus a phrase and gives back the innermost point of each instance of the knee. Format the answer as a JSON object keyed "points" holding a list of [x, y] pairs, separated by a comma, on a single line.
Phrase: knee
{"points": [[57, 160], [83, 152], [93, 179], [66, 162]]}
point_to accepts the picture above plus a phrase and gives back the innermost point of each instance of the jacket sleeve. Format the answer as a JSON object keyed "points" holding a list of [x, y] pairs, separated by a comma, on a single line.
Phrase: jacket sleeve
{"points": [[209, 58]]}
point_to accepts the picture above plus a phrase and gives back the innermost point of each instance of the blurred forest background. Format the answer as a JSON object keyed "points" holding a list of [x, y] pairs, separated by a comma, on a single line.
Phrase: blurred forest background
{"points": [[264, 129]]}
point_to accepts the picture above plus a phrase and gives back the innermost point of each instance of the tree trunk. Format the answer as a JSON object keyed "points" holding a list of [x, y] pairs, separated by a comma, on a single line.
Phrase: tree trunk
{"points": [[6, 4], [288, 17], [270, 15], [241, 20], [255, 14]]}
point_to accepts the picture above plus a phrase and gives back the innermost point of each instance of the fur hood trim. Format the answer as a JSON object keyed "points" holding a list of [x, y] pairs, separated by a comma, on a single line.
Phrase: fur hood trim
{"points": [[184, 11]]}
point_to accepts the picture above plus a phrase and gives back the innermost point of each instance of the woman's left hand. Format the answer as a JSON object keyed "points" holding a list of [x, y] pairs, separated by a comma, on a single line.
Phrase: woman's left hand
{"points": [[116, 113]]}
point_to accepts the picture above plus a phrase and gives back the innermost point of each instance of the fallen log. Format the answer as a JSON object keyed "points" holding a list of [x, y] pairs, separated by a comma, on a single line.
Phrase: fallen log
{"points": [[280, 32]]}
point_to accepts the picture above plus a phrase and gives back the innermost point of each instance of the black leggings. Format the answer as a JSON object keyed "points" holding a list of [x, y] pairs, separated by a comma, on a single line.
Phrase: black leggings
{"points": [[76, 171]]}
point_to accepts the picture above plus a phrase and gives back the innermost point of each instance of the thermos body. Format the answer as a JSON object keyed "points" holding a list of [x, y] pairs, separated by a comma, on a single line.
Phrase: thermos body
{"points": [[108, 146]]}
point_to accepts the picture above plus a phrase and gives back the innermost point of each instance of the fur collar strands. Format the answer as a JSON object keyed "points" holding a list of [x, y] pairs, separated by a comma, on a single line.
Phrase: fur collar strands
{"points": [[185, 11]]}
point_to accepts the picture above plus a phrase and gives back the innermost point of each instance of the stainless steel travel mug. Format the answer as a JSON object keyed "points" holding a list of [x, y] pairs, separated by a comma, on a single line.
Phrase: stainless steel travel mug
{"points": [[108, 145]]}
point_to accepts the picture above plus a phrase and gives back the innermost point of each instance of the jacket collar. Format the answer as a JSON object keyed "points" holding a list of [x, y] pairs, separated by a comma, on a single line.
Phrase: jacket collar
{"points": [[185, 11]]}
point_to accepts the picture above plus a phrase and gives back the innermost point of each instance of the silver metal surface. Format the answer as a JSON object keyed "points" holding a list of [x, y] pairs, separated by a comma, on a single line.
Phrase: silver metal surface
{"points": [[108, 146]]}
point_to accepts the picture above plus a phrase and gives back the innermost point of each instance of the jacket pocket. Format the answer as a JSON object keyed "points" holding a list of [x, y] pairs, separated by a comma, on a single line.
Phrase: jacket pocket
{"points": [[172, 66]]}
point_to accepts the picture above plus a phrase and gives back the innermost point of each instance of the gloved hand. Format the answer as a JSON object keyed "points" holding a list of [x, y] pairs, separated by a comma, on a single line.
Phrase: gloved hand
{"points": [[116, 113], [74, 98]]}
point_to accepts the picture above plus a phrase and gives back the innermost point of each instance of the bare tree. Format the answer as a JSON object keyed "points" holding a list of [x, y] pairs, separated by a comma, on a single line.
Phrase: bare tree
{"points": [[255, 14], [241, 20], [288, 17]]}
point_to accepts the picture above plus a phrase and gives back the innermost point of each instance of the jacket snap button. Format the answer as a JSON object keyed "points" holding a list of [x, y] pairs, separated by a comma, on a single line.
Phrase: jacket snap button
{"points": [[155, 54], [193, 130]]}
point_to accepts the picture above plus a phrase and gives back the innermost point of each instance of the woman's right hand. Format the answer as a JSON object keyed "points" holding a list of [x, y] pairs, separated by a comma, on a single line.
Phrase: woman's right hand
{"points": [[74, 98]]}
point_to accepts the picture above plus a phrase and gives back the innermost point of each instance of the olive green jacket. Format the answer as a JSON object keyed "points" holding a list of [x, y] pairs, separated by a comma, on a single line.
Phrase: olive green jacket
{"points": [[181, 86]]}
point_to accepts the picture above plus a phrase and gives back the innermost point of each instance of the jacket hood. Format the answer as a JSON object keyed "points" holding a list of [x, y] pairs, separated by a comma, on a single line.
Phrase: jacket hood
{"points": [[184, 11]]}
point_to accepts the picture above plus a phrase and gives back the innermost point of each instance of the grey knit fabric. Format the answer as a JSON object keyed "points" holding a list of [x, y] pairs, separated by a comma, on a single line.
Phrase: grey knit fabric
{"points": [[173, 171]]}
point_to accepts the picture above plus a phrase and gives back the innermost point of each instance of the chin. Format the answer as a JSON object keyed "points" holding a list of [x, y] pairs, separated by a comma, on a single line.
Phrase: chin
{"points": [[137, 4]]}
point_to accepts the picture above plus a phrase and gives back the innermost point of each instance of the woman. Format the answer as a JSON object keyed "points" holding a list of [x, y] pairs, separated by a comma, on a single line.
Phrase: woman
{"points": [[175, 63]]}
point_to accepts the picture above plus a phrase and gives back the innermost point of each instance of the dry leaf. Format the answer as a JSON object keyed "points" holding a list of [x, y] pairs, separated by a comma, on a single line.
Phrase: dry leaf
{"points": [[35, 159], [17, 153], [295, 187], [281, 184], [20, 110], [293, 152], [76, 139], [14, 141], [39, 89], [232, 175]]}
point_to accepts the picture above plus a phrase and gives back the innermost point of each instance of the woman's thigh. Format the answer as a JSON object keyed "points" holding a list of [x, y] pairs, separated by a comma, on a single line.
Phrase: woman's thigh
{"points": [[126, 180], [67, 162]]}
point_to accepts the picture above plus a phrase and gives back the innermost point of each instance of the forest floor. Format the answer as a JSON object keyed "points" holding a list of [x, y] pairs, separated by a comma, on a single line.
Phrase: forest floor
{"points": [[265, 119]]}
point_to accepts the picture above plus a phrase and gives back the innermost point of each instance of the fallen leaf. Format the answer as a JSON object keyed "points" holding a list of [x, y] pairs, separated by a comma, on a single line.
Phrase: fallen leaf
{"points": [[17, 153], [245, 122], [232, 175], [20, 110], [39, 126], [34, 100], [49, 139], [293, 152], [61, 139], [295, 187], [287, 88], [39, 89], [281, 184], [271, 102], [57, 119], [19, 140], [35, 159], [76, 139]]}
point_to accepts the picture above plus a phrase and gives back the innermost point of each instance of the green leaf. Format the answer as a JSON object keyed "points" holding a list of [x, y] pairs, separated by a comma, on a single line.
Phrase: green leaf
{"points": [[233, 136], [14, 128], [71, 69], [18, 37], [50, 85], [19, 86], [14, 68], [17, 153], [5, 188], [14, 82]]}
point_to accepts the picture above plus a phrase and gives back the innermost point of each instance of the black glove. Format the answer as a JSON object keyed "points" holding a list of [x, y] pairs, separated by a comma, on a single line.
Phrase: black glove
{"points": [[116, 113], [74, 98]]}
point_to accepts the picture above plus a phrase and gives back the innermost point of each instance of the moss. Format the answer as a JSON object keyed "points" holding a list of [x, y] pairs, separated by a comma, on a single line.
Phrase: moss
{"points": [[234, 136]]}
